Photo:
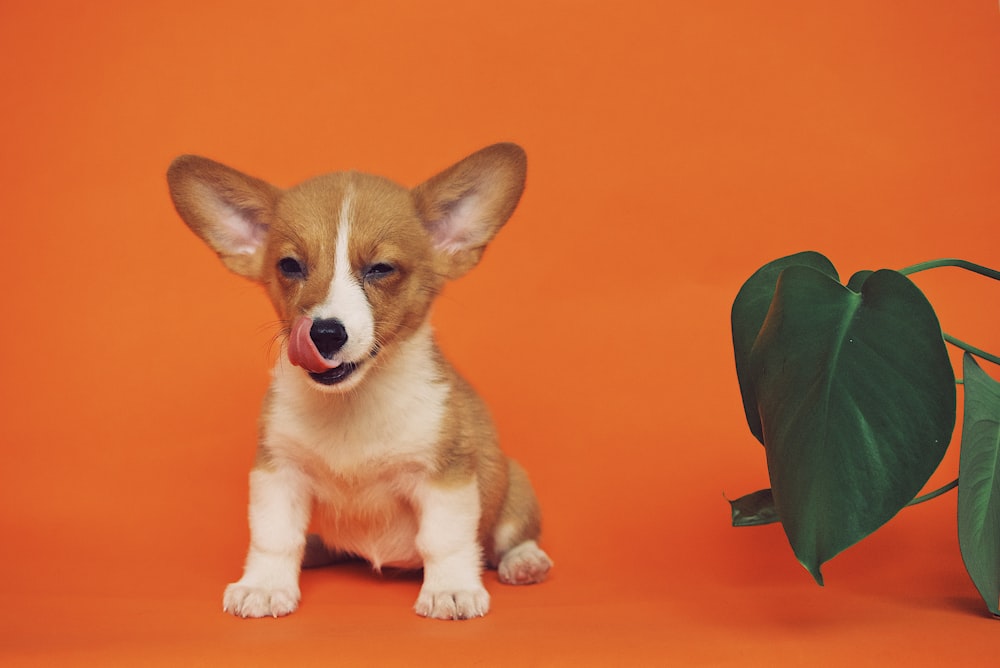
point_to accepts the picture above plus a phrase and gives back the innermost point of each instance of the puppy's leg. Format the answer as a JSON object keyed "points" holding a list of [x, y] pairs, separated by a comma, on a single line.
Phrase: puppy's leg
{"points": [[520, 559], [448, 543], [279, 513]]}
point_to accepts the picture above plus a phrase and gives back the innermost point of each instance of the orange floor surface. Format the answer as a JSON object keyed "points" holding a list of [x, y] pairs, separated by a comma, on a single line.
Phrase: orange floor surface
{"points": [[673, 148]]}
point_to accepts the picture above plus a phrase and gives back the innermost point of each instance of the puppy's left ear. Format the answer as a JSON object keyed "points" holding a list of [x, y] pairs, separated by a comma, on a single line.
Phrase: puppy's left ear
{"points": [[464, 206]]}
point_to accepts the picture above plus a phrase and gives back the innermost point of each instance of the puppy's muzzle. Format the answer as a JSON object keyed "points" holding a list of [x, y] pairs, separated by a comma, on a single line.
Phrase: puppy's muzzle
{"points": [[329, 336], [315, 346]]}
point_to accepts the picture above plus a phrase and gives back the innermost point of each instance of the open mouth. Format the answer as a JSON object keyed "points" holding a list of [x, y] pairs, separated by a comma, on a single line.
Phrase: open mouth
{"points": [[334, 375]]}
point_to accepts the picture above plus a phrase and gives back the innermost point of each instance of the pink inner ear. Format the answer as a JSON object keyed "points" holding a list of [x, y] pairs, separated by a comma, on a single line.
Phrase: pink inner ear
{"points": [[233, 231], [460, 227], [238, 232]]}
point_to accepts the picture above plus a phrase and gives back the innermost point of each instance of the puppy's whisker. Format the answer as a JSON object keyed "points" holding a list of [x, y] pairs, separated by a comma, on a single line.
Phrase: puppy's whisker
{"points": [[279, 330]]}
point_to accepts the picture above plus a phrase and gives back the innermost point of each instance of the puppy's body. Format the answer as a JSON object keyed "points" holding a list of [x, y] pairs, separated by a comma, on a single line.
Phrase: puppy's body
{"points": [[364, 419]]}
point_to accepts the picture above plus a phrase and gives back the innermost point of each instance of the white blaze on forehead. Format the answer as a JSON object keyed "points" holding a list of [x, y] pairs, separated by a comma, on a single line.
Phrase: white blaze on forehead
{"points": [[345, 298]]}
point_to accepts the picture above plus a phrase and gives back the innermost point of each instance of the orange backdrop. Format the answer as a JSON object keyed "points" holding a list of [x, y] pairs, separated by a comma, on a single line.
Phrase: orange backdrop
{"points": [[673, 146]]}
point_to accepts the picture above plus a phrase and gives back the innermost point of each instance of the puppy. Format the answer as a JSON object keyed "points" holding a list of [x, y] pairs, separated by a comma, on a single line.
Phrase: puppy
{"points": [[366, 429]]}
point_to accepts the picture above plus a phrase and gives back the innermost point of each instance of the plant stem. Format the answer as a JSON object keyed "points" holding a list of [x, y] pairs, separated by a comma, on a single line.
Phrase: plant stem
{"points": [[970, 348], [952, 262], [936, 493]]}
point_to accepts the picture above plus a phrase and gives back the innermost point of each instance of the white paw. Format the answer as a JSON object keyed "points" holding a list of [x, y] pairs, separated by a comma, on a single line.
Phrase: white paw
{"points": [[525, 564], [446, 604], [247, 601]]}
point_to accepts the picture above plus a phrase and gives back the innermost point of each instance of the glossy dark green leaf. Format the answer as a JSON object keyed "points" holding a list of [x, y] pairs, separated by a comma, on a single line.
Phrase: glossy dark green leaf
{"points": [[856, 397], [749, 310], [754, 509], [858, 279], [979, 483]]}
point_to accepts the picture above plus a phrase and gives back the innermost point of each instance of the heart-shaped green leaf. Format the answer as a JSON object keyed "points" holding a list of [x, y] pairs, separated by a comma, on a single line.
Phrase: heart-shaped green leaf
{"points": [[749, 310], [856, 398], [979, 483]]}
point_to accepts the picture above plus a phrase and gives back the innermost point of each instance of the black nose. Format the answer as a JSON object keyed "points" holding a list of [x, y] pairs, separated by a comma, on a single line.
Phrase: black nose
{"points": [[328, 335]]}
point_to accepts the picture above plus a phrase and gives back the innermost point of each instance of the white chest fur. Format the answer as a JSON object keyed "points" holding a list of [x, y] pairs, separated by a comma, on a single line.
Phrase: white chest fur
{"points": [[363, 453]]}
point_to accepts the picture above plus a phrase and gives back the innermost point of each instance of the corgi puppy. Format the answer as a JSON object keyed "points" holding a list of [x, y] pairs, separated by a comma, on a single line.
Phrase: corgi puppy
{"points": [[366, 430]]}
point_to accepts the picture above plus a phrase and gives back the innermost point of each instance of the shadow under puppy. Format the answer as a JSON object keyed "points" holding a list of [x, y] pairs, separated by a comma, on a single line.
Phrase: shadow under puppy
{"points": [[364, 420]]}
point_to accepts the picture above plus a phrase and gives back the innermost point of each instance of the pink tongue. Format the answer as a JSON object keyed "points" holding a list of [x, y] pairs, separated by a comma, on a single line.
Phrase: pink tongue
{"points": [[302, 351]]}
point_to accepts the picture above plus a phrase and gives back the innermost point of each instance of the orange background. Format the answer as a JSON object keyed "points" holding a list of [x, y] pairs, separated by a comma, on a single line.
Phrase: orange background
{"points": [[673, 148]]}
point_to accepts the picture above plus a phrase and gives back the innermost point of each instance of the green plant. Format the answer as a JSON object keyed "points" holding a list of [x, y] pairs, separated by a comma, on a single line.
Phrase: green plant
{"points": [[851, 391]]}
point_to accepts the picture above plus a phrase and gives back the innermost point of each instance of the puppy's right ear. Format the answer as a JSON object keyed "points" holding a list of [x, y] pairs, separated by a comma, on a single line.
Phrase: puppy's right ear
{"points": [[229, 210]]}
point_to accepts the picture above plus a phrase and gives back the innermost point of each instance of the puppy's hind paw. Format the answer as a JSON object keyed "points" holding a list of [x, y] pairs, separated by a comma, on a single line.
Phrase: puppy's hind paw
{"points": [[246, 601], [463, 604], [524, 564]]}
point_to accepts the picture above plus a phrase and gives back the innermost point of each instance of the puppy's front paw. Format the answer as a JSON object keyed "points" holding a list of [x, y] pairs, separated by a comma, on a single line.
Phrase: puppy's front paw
{"points": [[248, 601], [452, 604], [525, 564]]}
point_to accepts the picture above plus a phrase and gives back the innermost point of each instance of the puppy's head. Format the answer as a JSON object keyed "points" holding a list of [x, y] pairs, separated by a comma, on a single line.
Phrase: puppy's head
{"points": [[351, 262]]}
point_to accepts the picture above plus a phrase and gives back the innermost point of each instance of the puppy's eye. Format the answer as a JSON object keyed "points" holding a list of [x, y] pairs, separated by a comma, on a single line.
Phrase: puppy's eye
{"points": [[291, 268], [378, 270]]}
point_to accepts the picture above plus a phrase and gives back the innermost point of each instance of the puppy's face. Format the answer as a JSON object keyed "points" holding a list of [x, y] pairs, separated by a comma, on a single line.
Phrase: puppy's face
{"points": [[350, 261], [350, 267]]}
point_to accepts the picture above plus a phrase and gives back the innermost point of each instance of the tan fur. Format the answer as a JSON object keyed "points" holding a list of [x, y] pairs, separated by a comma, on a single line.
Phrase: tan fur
{"points": [[373, 497]]}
